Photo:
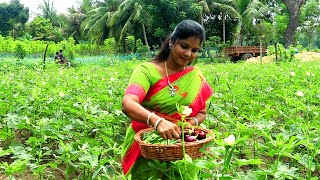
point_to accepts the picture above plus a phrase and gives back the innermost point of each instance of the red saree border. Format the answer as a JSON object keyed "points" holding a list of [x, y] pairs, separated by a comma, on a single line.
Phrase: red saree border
{"points": [[128, 161], [200, 101]]}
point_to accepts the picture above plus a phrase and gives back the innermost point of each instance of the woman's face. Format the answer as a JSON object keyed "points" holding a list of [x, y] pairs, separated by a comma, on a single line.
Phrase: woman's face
{"points": [[184, 51]]}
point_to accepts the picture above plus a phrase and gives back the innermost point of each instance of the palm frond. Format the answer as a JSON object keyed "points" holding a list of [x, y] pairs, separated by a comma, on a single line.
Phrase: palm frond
{"points": [[204, 6], [227, 9]]}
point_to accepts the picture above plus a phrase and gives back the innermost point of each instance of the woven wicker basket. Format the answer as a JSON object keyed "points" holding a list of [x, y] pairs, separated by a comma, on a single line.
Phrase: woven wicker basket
{"points": [[172, 152]]}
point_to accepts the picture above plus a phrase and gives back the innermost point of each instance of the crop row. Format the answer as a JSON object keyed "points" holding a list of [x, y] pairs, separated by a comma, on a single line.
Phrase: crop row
{"points": [[64, 123]]}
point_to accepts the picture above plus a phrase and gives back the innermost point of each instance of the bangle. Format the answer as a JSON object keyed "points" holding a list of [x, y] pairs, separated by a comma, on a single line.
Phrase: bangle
{"points": [[196, 120], [148, 120], [157, 123]]}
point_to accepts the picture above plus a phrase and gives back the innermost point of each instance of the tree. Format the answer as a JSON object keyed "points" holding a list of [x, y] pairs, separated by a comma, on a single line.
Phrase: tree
{"points": [[205, 9], [293, 7], [317, 38], [123, 20], [48, 11], [95, 24], [310, 14], [17, 30], [216, 27], [164, 15], [13, 17], [127, 17], [41, 28], [249, 10], [76, 17], [245, 11], [265, 32], [59, 22], [226, 10]]}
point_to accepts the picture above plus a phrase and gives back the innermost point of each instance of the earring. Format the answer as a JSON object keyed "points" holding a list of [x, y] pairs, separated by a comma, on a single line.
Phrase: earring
{"points": [[170, 45]]}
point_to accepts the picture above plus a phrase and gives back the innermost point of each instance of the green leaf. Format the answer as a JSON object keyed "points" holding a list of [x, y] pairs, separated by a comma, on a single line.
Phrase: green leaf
{"points": [[206, 175], [200, 163], [242, 162], [307, 161], [187, 158], [285, 171], [5, 152], [158, 165]]}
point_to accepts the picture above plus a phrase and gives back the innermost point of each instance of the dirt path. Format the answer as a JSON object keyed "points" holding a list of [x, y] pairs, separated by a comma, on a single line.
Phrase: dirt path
{"points": [[303, 56], [308, 56], [3, 177], [24, 176]]}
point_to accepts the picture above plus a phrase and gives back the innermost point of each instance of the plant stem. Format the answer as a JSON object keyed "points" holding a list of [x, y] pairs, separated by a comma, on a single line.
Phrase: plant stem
{"points": [[227, 159], [183, 145], [254, 149]]}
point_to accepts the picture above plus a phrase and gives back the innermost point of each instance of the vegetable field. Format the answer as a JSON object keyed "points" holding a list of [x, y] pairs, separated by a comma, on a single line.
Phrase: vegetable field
{"points": [[67, 123]]}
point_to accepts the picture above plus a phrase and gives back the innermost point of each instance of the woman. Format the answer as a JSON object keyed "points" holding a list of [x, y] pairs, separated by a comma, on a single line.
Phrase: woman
{"points": [[154, 89]]}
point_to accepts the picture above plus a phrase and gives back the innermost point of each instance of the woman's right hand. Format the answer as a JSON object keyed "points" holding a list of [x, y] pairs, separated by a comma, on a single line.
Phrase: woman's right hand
{"points": [[168, 130], [133, 109]]}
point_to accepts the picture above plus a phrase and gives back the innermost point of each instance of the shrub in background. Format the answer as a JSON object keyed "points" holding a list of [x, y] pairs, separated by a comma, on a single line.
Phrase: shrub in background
{"points": [[20, 52], [141, 48], [110, 45], [131, 42]]}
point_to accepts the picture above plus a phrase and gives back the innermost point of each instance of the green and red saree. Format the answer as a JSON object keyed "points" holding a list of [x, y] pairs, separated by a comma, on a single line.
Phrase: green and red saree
{"points": [[153, 92]]}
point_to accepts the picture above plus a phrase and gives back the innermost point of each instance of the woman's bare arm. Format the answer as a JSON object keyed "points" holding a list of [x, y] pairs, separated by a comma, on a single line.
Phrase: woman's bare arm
{"points": [[201, 116], [133, 109]]}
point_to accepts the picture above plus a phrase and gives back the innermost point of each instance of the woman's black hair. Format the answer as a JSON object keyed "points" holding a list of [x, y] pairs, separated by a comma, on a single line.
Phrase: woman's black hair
{"points": [[185, 29]]}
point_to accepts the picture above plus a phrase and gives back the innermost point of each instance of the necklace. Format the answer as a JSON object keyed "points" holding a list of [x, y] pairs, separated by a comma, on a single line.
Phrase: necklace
{"points": [[172, 89]]}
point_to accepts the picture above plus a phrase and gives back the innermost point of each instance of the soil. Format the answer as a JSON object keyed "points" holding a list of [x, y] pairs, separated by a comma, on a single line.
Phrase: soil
{"points": [[302, 56], [24, 176], [3, 177], [50, 174]]}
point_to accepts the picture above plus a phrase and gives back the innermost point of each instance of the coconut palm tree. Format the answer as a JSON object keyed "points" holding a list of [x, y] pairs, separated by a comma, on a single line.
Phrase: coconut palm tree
{"points": [[95, 23], [127, 15], [205, 9], [249, 10], [48, 11], [227, 9], [76, 17], [245, 10]]}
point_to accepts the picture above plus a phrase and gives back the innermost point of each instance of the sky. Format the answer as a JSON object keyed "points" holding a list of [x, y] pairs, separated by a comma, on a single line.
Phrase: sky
{"points": [[60, 5]]}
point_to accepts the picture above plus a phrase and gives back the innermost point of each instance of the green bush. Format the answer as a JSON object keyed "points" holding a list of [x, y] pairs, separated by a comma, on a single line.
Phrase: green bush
{"points": [[131, 43], [20, 52], [110, 45], [69, 48], [140, 47]]}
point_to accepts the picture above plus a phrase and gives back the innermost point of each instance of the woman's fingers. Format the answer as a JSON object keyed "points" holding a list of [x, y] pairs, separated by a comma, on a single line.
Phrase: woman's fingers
{"points": [[168, 130], [176, 133], [164, 136], [169, 135]]}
